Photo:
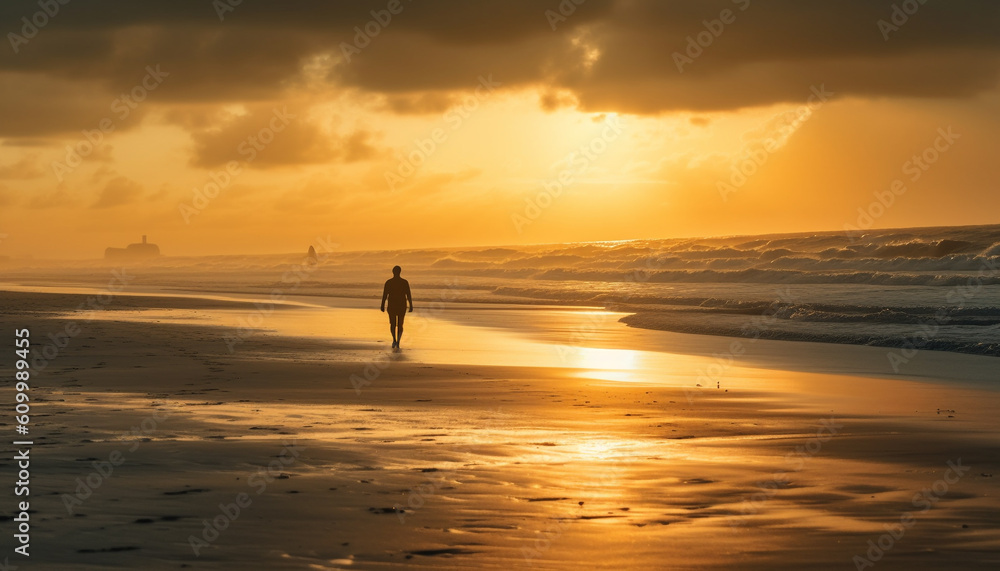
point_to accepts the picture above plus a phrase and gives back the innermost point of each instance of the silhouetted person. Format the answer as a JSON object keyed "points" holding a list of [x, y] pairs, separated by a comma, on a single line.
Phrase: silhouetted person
{"points": [[397, 291]]}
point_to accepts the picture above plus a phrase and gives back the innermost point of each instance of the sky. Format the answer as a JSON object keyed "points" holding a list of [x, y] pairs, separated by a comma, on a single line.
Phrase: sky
{"points": [[253, 126]]}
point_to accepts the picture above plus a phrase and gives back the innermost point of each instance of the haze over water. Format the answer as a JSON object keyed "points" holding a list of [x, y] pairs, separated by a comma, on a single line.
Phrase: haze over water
{"points": [[926, 288]]}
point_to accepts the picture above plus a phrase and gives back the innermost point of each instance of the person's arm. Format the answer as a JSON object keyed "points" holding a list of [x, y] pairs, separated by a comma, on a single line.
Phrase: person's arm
{"points": [[385, 294], [409, 298]]}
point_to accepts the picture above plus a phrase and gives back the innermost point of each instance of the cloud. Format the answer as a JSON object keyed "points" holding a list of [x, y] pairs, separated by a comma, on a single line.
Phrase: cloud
{"points": [[358, 147], [609, 55], [58, 198], [420, 103], [24, 169], [39, 105], [776, 49], [118, 192], [268, 136]]}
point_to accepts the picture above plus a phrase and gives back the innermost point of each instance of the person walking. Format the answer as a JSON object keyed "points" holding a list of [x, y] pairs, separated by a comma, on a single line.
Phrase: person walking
{"points": [[397, 292]]}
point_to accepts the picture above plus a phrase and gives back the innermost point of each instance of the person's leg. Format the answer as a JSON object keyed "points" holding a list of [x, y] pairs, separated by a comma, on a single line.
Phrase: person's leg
{"points": [[392, 328], [399, 328]]}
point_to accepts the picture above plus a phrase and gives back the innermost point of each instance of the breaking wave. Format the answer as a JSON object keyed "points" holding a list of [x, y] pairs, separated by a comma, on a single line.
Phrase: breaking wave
{"points": [[936, 288]]}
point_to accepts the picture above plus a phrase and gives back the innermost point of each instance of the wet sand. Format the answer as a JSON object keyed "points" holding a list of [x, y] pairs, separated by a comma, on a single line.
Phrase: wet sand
{"points": [[576, 444]]}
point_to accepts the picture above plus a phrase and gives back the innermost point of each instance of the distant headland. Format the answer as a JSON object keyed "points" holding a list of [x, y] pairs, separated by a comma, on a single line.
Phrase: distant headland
{"points": [[133, 251]]}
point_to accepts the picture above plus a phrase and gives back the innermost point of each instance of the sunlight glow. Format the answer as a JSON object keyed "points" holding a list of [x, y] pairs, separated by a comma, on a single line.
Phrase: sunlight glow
{"points": [[607, 364]]}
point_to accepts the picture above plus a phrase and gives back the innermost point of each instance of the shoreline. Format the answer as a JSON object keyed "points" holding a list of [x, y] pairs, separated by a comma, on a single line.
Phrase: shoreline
{"points": [[976, 371]]}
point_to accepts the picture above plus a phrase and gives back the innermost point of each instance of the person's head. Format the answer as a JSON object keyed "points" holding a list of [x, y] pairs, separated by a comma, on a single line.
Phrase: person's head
{"points": [[396, 270]]}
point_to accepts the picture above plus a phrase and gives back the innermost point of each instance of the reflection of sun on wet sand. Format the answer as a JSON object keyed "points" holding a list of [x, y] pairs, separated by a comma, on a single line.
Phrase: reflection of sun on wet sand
{"points": [[480, 448]]}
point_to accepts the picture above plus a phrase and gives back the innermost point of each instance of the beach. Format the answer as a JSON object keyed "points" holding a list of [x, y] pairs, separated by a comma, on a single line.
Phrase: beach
{"points": [[570, 285], [212, 431]]}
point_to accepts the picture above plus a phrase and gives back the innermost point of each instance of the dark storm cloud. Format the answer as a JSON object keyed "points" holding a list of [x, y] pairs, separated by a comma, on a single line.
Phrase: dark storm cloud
{"points": [[774, 50], [603, 54]]}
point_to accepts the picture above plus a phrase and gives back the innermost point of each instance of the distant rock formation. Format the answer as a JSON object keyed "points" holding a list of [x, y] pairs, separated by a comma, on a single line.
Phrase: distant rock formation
{"points": [[133, 251], [311, 256]]}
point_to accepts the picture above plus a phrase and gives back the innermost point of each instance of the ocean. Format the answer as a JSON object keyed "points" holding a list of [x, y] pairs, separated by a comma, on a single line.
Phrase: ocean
{"points": [[923, 288]]}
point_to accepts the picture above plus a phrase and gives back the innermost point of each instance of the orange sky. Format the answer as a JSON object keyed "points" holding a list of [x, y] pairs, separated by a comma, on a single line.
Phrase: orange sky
{"points": [[478, 123]]}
